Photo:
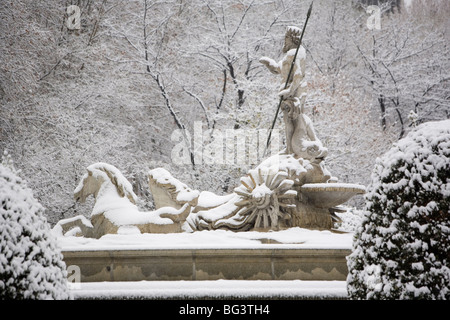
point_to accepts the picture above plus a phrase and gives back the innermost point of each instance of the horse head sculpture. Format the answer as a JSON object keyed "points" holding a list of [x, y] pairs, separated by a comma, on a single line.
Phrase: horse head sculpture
{"points": [[100, 178], [115, 207]]}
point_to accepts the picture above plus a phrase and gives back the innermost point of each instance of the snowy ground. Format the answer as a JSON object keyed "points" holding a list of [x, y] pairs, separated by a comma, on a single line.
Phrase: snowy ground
{"points": [[217, 289], [291, 238]]}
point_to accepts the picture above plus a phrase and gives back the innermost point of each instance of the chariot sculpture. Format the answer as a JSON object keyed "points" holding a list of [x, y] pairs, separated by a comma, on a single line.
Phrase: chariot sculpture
{"points": [[289, 189]]}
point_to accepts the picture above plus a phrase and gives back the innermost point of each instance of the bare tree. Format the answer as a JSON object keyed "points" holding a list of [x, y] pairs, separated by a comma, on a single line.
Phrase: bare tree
{"points": [[406, 66]]}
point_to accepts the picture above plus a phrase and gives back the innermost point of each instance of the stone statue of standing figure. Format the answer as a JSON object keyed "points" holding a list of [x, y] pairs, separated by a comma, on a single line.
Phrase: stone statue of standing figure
{"points": [[301, 139]]}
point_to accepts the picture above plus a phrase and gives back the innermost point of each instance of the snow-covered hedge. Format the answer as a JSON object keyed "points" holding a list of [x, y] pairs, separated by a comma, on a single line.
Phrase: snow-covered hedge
{"points": [[402, 248], [31, 265]]}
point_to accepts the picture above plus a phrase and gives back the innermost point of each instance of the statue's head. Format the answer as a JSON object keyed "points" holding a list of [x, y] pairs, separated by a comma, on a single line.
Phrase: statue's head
{"points": [[292, 38], [88, 185], [100, 173]]}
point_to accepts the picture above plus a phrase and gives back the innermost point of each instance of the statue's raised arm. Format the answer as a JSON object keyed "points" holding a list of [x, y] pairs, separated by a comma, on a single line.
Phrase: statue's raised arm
{"points": [[301, 139], [271, 64], [296, 84], [289, 88]]}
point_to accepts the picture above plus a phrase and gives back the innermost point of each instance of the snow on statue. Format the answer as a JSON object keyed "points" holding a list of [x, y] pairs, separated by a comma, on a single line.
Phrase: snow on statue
{"points": [[300, 136], [115, 207], [291, 189]]}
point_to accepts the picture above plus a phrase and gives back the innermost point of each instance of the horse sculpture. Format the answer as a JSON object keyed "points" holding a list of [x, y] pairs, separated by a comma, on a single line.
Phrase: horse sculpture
{"points": [[115, 207]]}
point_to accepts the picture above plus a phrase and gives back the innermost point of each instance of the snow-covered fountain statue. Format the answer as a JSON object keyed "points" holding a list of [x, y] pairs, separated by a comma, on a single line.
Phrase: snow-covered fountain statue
{"points": [[289, 189]]}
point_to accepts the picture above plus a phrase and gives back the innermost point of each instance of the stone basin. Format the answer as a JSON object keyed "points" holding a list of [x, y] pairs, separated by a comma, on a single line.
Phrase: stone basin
{"points": [[328, 195]]}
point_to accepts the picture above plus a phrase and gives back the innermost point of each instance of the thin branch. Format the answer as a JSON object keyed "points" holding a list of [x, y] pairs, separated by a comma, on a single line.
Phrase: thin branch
{"points": [[202, 105], [54, 67], [224, 89], [242, 20]]}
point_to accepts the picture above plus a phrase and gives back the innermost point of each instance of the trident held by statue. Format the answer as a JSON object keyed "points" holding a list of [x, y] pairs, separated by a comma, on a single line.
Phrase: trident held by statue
{"points": [[288, 78]]}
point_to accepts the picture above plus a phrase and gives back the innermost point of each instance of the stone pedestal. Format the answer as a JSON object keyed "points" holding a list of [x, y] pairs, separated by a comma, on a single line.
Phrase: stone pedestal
{"points": [[310, 217], [210, 264]]}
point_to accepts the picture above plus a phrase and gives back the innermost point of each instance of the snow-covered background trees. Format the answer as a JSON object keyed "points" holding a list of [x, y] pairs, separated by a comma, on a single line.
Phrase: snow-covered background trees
{"points": [[117, 88]]}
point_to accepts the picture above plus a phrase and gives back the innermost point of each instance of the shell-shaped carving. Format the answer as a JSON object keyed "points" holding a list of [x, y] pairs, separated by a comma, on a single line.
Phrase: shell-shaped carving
{"points": [[266, 197]]}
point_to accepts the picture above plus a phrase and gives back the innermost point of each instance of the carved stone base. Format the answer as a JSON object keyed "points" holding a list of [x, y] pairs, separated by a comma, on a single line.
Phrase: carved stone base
{"points": [[310, 217], [210, 264]]}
